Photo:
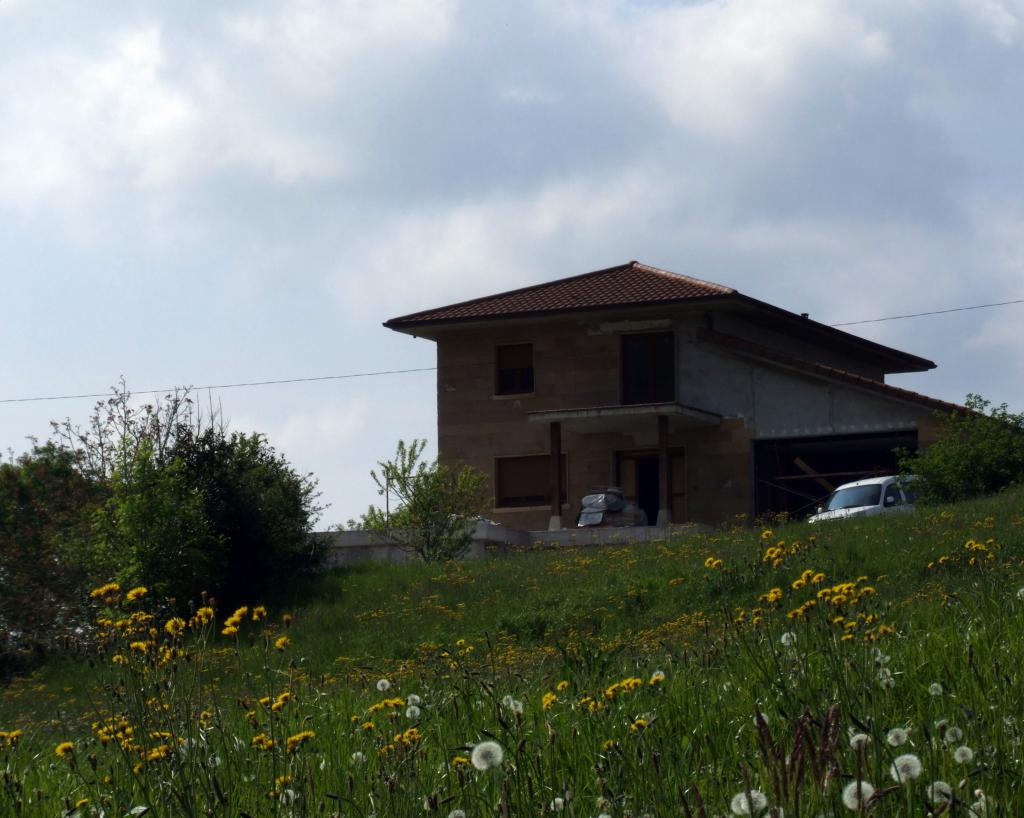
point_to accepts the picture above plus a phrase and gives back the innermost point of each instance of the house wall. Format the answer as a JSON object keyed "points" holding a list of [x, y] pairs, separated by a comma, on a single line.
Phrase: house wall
{"points": [[576, 364], [779, 402]]}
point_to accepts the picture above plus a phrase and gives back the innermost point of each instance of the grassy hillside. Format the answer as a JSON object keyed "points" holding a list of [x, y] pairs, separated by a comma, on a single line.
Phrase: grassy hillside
{"points": [[687, 677]]}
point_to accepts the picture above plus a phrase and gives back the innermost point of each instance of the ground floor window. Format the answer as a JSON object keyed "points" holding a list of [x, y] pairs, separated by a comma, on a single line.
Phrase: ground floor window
{"points": [[526, 481]]}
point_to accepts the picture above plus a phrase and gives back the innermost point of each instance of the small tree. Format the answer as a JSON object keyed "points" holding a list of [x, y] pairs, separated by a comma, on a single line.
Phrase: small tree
{"points": [[45, 554], [980, 451], [436, 507]]}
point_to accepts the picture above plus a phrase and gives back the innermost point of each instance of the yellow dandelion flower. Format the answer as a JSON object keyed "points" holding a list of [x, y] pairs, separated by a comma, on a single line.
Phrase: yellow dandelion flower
{"points": [[104, 590], [64, 749], [158, 753], [548, 700], [460, 761], [262, 741], [562, 685], [258, 613], [229, 630], [175, 626], [294, 742], [282, 642], [135, 593]]}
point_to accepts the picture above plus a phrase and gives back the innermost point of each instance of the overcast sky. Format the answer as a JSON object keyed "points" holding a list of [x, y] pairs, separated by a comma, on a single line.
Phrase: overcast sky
{"points": [[202, 193]]}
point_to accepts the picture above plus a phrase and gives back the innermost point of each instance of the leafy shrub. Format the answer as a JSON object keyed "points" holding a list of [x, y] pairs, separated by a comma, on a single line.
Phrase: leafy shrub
{"points": [[979, 452], [437, 507], [154, 494], [45, 556], [224, 514]]}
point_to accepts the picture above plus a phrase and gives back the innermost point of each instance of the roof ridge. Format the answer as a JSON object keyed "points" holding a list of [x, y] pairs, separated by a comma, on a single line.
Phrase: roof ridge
{"points": [[671, 274], [515, 291], [534, 291]]}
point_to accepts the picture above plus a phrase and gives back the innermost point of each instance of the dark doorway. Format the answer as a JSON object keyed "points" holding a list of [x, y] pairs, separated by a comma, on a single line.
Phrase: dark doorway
{"points": [[647, 486], [795, 475], [637, 474]]}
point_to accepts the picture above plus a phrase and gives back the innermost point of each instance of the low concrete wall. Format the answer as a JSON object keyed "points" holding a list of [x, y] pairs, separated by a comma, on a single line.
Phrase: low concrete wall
{"points": [[491, 540]]}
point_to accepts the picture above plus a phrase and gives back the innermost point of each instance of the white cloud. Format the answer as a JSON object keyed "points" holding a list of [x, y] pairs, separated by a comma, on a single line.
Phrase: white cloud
{"points": [[498, 243], [720, 68], [1000, 19], [75, 119]]}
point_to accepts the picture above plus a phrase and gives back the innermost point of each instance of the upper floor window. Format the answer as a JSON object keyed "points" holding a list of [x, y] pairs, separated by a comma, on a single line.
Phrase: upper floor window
{"points": [[648, 368], [513, 369]]}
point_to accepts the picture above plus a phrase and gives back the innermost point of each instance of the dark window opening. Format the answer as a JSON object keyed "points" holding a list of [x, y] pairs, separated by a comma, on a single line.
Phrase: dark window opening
{"points": [[648, 368], [514, 375], [526, 481]]}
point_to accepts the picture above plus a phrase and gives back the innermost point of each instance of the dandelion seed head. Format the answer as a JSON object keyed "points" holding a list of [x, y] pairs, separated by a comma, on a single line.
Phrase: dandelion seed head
{"points": [[358, 757], [457, 813], [557, 804], [412, 712], [486, 755], [859, 741], [383, 685], [953, 735], [412, 699], [935, 689], [963, 755], [940, 792], [981, 807], [856, 794], [741, 805], [788, 639], [905, 768], [897, 737]]}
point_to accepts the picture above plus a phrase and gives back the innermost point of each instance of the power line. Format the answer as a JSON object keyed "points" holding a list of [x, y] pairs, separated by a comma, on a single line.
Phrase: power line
{"points": [[227, 385], [934, 312], [434, 368]]}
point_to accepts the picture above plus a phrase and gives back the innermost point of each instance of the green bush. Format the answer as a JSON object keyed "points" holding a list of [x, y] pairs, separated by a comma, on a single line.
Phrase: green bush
{"points": [[153, 494], [45, 553], [980, 451], [224, 514]]}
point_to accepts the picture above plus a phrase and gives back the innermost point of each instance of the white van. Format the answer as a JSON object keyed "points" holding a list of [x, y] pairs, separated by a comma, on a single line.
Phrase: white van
{"points": [[864, 498]]}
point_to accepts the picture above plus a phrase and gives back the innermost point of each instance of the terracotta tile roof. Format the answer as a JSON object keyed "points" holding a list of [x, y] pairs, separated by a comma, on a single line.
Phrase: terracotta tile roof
{"points": [[823, 370], [625, 285]]}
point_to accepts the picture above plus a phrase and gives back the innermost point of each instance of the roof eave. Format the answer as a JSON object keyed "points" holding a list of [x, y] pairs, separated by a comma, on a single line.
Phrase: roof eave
{"points": [[906, 361], [400, 324]]}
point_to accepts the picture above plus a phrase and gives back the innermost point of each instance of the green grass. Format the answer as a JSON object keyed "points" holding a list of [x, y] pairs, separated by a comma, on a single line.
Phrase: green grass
{"points": [[737, 708]]}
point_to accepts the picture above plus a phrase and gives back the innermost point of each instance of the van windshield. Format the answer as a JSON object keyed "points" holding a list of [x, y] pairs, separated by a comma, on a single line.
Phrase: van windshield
{"points": [[854, 497]]}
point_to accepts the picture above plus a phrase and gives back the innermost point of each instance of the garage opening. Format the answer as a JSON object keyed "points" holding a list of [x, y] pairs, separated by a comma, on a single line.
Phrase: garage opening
{"points": [[795, 475]]}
